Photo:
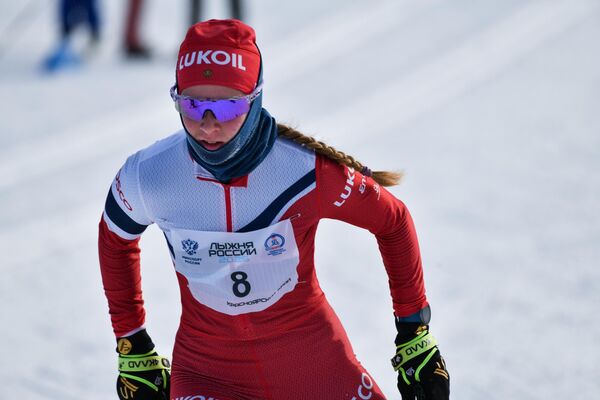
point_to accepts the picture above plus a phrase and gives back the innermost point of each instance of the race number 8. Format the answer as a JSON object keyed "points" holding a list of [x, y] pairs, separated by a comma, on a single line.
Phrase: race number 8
{"points": [[239, 279]]}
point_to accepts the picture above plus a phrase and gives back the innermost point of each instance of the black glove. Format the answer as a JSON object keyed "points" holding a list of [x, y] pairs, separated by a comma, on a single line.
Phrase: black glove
{"points": [[143, 374], [421, 369]]}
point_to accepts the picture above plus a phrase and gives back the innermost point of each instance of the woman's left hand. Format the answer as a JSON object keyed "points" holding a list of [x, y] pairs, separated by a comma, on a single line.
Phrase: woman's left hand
{"points": [[422, 372]]}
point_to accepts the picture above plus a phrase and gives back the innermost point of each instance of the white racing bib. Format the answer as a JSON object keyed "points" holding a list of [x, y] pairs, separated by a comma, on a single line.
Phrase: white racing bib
{"points": [[237, 273]]}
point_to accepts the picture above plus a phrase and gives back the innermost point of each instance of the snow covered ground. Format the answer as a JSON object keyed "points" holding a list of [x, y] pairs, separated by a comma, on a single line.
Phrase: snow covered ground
{"points": [[490, 108]]}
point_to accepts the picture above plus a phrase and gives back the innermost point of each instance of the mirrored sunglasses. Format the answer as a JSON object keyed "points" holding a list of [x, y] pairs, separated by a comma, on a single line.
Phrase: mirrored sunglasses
{"points": [[223, 109]]}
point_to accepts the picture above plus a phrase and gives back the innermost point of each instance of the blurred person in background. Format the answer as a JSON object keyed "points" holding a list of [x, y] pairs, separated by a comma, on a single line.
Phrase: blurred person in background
{"points": [[235, 8], [71, 15], [132, 44], [238, 197]]}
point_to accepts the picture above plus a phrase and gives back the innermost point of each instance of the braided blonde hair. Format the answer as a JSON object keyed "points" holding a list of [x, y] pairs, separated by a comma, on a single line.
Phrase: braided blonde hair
{"points": [[384, 178]]}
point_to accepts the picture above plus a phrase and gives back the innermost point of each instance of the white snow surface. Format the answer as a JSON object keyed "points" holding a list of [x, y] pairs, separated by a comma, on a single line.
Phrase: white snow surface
{"points": [[490, 108]]}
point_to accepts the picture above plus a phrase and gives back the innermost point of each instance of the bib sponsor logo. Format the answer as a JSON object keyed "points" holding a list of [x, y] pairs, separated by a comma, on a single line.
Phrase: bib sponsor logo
{"points": [[274, 244], [209, 57], [189, 246], [364, 389], [232, 251], [347, 189]]}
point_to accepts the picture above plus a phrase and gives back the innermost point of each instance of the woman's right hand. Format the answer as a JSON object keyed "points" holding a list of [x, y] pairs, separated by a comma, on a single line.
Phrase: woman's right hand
{"points": [[143, 374]]}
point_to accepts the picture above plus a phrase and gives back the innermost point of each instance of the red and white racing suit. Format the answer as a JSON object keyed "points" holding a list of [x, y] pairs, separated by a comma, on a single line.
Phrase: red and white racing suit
{"points": [[255, 323]]}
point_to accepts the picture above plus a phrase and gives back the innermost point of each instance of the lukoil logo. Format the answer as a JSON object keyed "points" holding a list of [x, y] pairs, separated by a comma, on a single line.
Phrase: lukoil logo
{"points": [[347, 189], [218, 57]]}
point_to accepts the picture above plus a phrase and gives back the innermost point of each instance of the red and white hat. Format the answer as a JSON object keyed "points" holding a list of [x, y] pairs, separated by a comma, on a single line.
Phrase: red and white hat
{"points": [[219, 52]]}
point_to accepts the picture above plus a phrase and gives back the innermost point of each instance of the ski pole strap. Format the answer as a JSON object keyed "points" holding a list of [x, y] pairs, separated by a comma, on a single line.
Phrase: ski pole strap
{"points": [[147, 363], [417, 346]]}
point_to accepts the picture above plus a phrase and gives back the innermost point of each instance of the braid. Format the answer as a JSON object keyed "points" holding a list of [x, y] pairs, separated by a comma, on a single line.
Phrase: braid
{"points": [[384, 178]]}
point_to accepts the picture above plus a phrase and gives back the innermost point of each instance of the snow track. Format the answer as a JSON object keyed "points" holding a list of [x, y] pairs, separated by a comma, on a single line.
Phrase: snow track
{"points": [[491, 107]]}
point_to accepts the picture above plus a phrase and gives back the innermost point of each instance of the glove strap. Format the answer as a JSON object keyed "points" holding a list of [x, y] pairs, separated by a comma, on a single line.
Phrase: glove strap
{"points": [[146, 382], [407, 351], [140, 364]]}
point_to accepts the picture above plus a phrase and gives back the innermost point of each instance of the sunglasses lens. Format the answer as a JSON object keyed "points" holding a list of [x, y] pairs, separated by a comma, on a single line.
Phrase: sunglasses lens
{"points": [[190, 108], [224, 110]]}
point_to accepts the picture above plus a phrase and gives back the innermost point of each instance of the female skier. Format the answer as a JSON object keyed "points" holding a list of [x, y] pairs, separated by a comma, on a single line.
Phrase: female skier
{"points": [[239, 198]]}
